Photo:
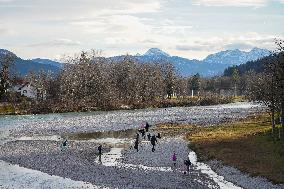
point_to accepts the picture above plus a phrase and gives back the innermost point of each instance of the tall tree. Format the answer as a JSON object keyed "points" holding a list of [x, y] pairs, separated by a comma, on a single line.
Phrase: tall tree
{"points": [[195, 83], [236, 79], [6, 62]]}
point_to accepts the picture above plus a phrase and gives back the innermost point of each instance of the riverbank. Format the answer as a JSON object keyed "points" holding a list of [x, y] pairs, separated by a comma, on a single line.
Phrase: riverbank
{"points": [[120, 167], [45, 107], [246, 145], [33, 142]]}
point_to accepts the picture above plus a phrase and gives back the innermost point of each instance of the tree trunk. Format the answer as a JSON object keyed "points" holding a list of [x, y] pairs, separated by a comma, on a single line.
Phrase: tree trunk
{"points": [[273, 119], [282, 115]]}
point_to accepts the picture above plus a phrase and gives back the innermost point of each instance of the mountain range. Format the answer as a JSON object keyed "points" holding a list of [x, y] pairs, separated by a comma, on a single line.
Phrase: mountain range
{"points": [[213, 64]]}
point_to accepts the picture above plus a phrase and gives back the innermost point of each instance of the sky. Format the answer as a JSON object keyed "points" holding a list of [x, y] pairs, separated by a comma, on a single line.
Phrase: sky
{"points": [[188, 28]]}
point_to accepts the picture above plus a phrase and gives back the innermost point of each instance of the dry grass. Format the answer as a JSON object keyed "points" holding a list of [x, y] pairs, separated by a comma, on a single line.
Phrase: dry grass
{"points": [[173, 129], [246, 145]]}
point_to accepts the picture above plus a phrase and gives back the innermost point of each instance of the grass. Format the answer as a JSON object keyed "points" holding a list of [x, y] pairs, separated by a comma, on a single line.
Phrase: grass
{"points": [[247, 145], [7, 109], [173, 129]]}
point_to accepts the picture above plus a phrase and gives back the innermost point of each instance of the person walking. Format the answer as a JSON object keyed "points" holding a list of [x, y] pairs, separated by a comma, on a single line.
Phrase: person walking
{"points": [[143, 133], [100, 152], [136, 144], [149, 136], [174, 158], [153, 142], [147, 127], [187, 163]]}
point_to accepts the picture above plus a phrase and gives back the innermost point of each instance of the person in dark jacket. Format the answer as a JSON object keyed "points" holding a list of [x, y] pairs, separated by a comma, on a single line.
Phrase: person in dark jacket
{"points": [[147, 127], [136, 144], [153, 142], [149, 136], [100, 152], [187, 163], [143, 133]]}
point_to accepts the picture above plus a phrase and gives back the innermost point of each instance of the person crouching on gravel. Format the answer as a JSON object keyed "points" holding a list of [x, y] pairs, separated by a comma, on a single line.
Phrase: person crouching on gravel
{"points": [[153, 142], [64, 145]]}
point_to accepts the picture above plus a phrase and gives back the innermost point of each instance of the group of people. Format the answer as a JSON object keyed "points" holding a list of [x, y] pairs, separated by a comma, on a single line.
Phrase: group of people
{"points": [[143, 131], [152, 138], [187, 163]]}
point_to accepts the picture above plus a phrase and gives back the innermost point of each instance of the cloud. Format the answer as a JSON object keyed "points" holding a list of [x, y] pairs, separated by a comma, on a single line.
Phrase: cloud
{"points": [[244, 41], [6, 1], [7, 31], [242, 46], [56, 43], [231, 3]]}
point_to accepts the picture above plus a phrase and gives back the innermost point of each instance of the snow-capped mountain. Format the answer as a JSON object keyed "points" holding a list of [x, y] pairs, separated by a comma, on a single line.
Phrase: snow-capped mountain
{"points": [[212, 65], [156, 52], [236, 57]]}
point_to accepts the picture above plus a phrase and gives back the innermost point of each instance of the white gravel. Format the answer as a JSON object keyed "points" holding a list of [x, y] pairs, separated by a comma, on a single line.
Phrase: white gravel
{"points": [[15, 177], [79, 164], [244, 180]]}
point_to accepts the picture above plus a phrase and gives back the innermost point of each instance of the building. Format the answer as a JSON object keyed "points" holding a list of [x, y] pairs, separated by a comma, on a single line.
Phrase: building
{"points": [[28, 90]]}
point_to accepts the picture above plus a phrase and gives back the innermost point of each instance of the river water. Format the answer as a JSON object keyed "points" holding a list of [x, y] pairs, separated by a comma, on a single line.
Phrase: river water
{"points": [[57, 124]]}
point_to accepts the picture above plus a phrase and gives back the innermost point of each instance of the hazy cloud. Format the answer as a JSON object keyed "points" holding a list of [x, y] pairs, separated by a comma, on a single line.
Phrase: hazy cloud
{"points": [[246, 41], [176, 26], [56, 43], [235, 3]]}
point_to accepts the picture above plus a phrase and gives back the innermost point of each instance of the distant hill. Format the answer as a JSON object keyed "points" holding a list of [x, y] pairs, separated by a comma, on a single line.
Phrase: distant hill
{"points": [[47, 62], [23, 67], [236, 57], [257, 66], [212, 65]]}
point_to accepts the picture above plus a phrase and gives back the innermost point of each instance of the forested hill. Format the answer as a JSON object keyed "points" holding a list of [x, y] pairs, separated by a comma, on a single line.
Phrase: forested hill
{"points": [[257, 66]]}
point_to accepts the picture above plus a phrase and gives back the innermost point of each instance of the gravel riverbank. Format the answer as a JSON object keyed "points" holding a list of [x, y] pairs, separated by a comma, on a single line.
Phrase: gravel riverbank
{"points": [[79, 163]]}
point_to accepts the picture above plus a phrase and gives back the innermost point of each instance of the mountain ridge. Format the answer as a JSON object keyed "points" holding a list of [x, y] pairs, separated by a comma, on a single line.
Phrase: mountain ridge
{"points": [[213, 64]]}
